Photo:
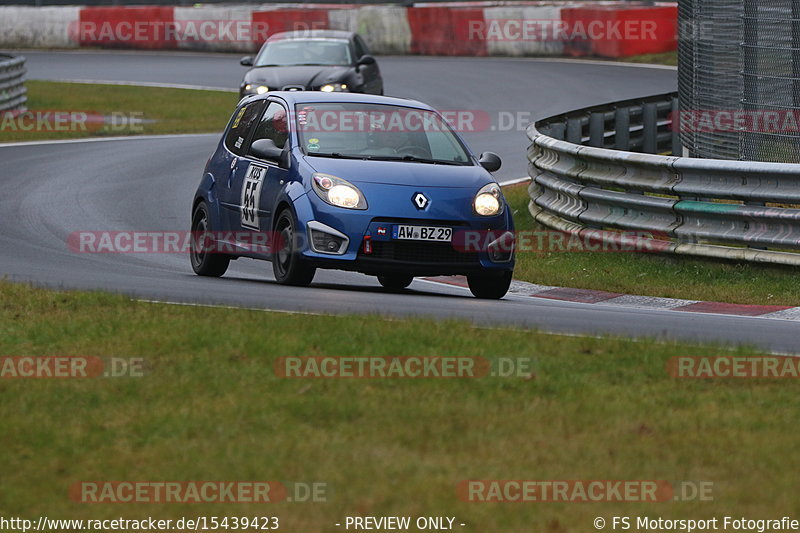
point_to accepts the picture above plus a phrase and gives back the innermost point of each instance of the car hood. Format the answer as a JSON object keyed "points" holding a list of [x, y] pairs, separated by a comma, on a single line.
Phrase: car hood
{"points": [[307, 76], [402, 172]]}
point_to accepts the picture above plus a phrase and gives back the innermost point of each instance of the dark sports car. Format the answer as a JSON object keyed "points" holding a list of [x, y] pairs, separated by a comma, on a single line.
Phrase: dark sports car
{"points": [[315, 60]]}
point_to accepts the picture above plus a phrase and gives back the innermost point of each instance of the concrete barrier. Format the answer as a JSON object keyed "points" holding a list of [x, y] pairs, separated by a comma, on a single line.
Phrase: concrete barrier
{"points": [[610, 29], [216, 28], [289, 19], [446, 31], [523, 30], [384, 28], [128, 27], [38, 27], [620, 30]]}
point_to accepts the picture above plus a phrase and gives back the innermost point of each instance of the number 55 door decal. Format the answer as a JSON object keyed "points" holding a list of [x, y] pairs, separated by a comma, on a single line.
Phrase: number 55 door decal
{"points": [[251, 196]]}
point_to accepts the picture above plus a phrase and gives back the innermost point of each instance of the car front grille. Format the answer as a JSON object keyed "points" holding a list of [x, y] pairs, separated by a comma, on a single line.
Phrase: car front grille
{"points": [[430, 253], [294, 88]]}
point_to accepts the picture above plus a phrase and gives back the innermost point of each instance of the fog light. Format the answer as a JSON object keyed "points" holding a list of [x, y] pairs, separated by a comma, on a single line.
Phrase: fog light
{"points": [[501, 250], [326, 240]]}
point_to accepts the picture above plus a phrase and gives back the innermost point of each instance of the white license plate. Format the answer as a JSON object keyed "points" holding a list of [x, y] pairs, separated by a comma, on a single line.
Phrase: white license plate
{"points": [[423, 233]]}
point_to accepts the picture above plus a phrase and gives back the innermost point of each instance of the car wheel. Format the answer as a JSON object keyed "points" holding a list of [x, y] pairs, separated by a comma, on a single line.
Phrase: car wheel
{"points": [[395, 282], [205, 262], [287, 263], [489, 286]]}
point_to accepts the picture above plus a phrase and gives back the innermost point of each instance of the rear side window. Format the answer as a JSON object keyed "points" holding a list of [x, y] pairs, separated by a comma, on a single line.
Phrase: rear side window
{"points": [[244, 120]]}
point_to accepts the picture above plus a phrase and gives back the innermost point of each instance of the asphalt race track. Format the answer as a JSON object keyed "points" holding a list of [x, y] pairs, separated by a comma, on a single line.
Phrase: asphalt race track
{"points": [[146, 184]]}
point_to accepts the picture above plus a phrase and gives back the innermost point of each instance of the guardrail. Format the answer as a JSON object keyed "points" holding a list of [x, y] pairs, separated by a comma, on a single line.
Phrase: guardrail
{"points": [[39, 3], [596, 174], [13, 94]]}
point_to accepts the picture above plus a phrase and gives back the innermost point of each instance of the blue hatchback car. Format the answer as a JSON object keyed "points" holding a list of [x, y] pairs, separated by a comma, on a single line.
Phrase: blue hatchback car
{"points": [[372, 184]]}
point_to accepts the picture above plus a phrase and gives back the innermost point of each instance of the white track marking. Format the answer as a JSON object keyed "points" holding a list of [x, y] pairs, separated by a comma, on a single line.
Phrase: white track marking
{"points": [[106, 139], [515, 181], [149, 84]]}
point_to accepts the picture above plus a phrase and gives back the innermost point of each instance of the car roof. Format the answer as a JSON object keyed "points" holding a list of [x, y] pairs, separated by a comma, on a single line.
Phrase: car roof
{"points": [[311, 34], [318, 97]]}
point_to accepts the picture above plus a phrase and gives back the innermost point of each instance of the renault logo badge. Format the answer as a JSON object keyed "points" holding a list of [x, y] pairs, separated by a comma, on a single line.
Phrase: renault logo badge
{"points": [[420, 201]]}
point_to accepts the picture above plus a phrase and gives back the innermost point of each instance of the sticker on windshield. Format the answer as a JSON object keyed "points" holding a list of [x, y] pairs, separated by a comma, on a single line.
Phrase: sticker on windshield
{"points": [[238, 118], [313, 145], [251, 196], [302, 115]]}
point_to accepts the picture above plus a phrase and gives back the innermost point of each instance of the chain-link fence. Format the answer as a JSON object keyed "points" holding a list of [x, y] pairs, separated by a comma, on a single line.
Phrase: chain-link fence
{"points": [[739, 79]]}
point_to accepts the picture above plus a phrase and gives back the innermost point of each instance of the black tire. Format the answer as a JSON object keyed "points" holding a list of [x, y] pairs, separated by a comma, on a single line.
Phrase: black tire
{"points": [[490, 286], [395, 282], [287, 263], [205, 263]]}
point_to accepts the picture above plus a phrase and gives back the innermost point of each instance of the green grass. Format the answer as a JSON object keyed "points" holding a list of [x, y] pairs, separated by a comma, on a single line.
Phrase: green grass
{"points": [[211, 408], [652, 274], [154, 110]]}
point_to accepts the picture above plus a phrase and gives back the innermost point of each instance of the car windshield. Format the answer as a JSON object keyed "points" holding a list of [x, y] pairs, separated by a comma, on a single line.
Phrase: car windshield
{"points": [[377, 132], [305, 52]]}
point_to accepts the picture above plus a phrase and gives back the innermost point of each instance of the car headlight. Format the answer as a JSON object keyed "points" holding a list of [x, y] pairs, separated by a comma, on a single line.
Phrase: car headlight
{"points": [[337, 191], [489, 201], [257, 89], [333, 87]]}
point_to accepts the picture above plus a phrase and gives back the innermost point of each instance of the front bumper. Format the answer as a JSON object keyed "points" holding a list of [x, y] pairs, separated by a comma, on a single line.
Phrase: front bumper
{"points": [[248, 92], [372, 248]]}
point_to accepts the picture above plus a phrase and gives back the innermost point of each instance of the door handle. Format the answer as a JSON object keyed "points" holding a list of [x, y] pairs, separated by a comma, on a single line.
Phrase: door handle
{"points": [[234, 162]]}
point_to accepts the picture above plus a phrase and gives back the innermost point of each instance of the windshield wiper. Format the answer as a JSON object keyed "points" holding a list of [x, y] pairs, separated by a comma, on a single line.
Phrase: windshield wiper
{"points": [[429, 160], [415, 159], [411, 158], [337, 155]]}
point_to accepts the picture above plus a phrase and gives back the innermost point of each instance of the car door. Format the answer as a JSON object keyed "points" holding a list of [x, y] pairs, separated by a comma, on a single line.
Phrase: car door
{"points": [[261, 180], [237, 142], [371, 74]]}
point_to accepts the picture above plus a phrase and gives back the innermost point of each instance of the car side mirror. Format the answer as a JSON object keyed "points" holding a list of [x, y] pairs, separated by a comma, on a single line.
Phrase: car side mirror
{"points": [[266, 149], [366, 59], [490, 161], [246, 61]]}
